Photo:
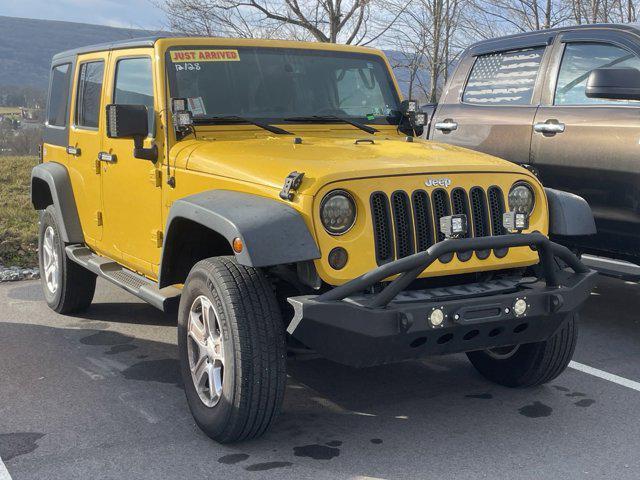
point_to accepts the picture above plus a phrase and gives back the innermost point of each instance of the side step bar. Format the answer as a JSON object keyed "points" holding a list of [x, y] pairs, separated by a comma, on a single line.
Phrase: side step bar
{"points": [[165, 299]]}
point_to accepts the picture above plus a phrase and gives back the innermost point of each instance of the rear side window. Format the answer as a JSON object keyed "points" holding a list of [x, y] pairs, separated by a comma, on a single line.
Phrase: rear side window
{"points": [[134, 84], [578, 60], [59, 95], [504, 78], [89, 94]]}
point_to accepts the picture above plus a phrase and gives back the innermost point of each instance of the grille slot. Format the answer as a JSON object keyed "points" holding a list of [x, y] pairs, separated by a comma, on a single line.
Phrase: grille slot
{"points": [[382, 228], [460, 204], [480, 218], [441, 208], [423, 220], [403, 224], [496, 208]]}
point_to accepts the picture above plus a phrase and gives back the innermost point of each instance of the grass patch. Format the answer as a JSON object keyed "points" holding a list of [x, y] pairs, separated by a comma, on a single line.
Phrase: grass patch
{"points": [[6, 110], [18, 219]]}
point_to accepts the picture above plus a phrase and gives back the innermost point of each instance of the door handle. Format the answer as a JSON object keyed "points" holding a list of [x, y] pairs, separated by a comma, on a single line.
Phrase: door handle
{"points": [[75, 151], [107, 157], [550, 127], [447, 125]]}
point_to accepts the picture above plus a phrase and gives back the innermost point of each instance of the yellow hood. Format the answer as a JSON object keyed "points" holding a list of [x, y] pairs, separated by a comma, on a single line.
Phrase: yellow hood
{"points": [[268, 160]]}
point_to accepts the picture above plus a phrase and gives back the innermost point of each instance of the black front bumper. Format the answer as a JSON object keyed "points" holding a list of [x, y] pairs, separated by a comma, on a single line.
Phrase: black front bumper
{"points": [[350, 327]]}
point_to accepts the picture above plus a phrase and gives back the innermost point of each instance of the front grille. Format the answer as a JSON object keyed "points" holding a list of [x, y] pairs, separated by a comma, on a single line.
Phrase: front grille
{"points": [[405, 224]]}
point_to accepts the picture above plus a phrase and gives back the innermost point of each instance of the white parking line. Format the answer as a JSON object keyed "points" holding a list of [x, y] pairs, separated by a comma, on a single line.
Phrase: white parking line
{"points": [[605, 375], [4, 473]]}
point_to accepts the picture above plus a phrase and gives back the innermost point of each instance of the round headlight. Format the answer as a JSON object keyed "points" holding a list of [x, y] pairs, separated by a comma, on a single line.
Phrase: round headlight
{"points": [[338, 212], [521, 198]]}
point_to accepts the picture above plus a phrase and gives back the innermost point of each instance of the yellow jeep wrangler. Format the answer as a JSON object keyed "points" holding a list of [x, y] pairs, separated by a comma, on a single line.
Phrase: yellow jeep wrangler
{"points": [[276, 192]]}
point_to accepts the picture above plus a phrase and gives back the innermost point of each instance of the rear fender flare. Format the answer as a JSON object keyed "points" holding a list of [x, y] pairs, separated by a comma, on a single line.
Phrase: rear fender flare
{"points": [[51, 185]]}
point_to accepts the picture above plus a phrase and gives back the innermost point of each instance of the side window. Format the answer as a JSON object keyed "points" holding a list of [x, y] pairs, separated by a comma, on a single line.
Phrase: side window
{"points": [[578, 60], [134, 84], [89, 94], [59, 95], [504, 78]]}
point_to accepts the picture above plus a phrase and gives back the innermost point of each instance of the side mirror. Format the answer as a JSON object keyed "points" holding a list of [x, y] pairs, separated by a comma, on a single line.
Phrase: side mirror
{"points": [[614, 84], [131, 121]]}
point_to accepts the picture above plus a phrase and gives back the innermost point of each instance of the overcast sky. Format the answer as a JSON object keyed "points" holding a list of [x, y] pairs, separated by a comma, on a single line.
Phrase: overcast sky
{"points": [[115, 13]]}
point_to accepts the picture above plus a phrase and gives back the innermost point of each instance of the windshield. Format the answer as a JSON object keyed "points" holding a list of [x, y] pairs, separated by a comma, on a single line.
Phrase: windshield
{"points": [[272, 84]]}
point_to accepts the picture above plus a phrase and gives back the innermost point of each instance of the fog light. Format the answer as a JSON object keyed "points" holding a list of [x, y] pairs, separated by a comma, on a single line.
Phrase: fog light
{"points": [[338, 258], [520, 307], [454, 226], [436, 317], [515, 221]]}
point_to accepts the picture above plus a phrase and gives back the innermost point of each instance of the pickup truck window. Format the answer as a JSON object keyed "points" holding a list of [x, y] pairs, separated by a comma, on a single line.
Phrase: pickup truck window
{"points": [[89, 92], [578, 60], [504, 78], [273, 84], [59, 95]]}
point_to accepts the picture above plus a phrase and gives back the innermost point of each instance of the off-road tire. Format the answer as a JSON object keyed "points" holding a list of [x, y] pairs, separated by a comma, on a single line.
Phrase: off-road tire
{"points": [[254, 376], [532, 364], [76, 285]]}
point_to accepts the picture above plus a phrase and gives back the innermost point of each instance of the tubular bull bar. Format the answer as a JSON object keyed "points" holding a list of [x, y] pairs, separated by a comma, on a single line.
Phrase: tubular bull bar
{"points": [[349, 326]]}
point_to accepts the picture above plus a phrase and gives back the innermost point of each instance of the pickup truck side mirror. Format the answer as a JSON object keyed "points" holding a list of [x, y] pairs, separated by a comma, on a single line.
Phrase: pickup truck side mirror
{"points": [[614, 84], [131, 121]]}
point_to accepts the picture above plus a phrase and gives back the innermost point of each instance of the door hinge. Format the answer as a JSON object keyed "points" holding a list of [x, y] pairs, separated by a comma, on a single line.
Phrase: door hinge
{"points": [[156, 237], [99, 218], [156, 177], [98, 167]]}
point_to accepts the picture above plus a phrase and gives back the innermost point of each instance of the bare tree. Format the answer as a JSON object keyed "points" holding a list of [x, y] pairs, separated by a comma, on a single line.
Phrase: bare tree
{"points": [[345, 21], [427, 37]]}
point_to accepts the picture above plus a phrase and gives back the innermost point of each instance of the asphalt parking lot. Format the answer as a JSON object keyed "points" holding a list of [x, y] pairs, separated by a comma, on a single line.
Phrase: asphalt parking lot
{"points": [[99, 396]]}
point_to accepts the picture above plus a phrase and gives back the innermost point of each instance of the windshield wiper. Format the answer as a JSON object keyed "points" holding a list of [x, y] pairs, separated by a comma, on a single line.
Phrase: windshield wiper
{"points": [[237, 119], [329, 118]]}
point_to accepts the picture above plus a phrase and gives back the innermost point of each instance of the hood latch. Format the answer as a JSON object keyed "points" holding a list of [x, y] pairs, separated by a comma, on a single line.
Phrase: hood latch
{"points": [[292, 182]]}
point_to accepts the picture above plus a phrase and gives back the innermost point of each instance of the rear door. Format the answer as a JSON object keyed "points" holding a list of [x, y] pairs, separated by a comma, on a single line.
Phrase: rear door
{"points": [[491, 101], [591, 147], [85, 141]]}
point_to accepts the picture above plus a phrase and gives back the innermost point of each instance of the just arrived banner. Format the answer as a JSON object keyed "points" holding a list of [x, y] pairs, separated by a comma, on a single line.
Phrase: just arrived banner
{"points": [[205, 56]]}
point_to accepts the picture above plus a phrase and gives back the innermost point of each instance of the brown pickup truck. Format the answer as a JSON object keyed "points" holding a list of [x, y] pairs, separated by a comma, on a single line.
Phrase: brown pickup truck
{"points": [[564, 103]]}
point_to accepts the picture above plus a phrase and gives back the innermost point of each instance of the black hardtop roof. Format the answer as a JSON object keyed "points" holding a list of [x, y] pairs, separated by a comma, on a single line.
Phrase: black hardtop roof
{"points": [[116, 45], [627, 27]]}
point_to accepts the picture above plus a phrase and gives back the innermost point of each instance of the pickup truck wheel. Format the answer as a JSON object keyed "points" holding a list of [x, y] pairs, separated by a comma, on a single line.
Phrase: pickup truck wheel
{"points": [[67, 287], [231, 345], [529, 364]]}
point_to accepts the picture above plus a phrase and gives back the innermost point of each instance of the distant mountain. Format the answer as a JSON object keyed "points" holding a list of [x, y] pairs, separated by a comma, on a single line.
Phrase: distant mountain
{"points": [[27, 45]]}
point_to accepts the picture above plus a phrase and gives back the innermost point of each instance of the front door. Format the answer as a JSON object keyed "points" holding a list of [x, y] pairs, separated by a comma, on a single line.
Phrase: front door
{"points": [[591, 147], [85, 141], [491, 110], [131, 186]]}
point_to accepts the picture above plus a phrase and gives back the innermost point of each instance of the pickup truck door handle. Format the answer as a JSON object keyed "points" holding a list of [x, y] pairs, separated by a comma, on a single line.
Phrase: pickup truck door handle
{"points": [[549, 127], [107, 157], [447, 125]]}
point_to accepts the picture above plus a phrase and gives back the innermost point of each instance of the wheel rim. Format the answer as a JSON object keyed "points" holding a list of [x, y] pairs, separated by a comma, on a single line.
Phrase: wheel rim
{"points": [[205, 348], [502, 353], [50, 260]]}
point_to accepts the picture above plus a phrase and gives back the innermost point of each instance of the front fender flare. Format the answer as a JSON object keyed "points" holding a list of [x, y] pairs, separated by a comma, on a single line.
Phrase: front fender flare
{"points": [[569, 214], [54, 177], [272, 232]]}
